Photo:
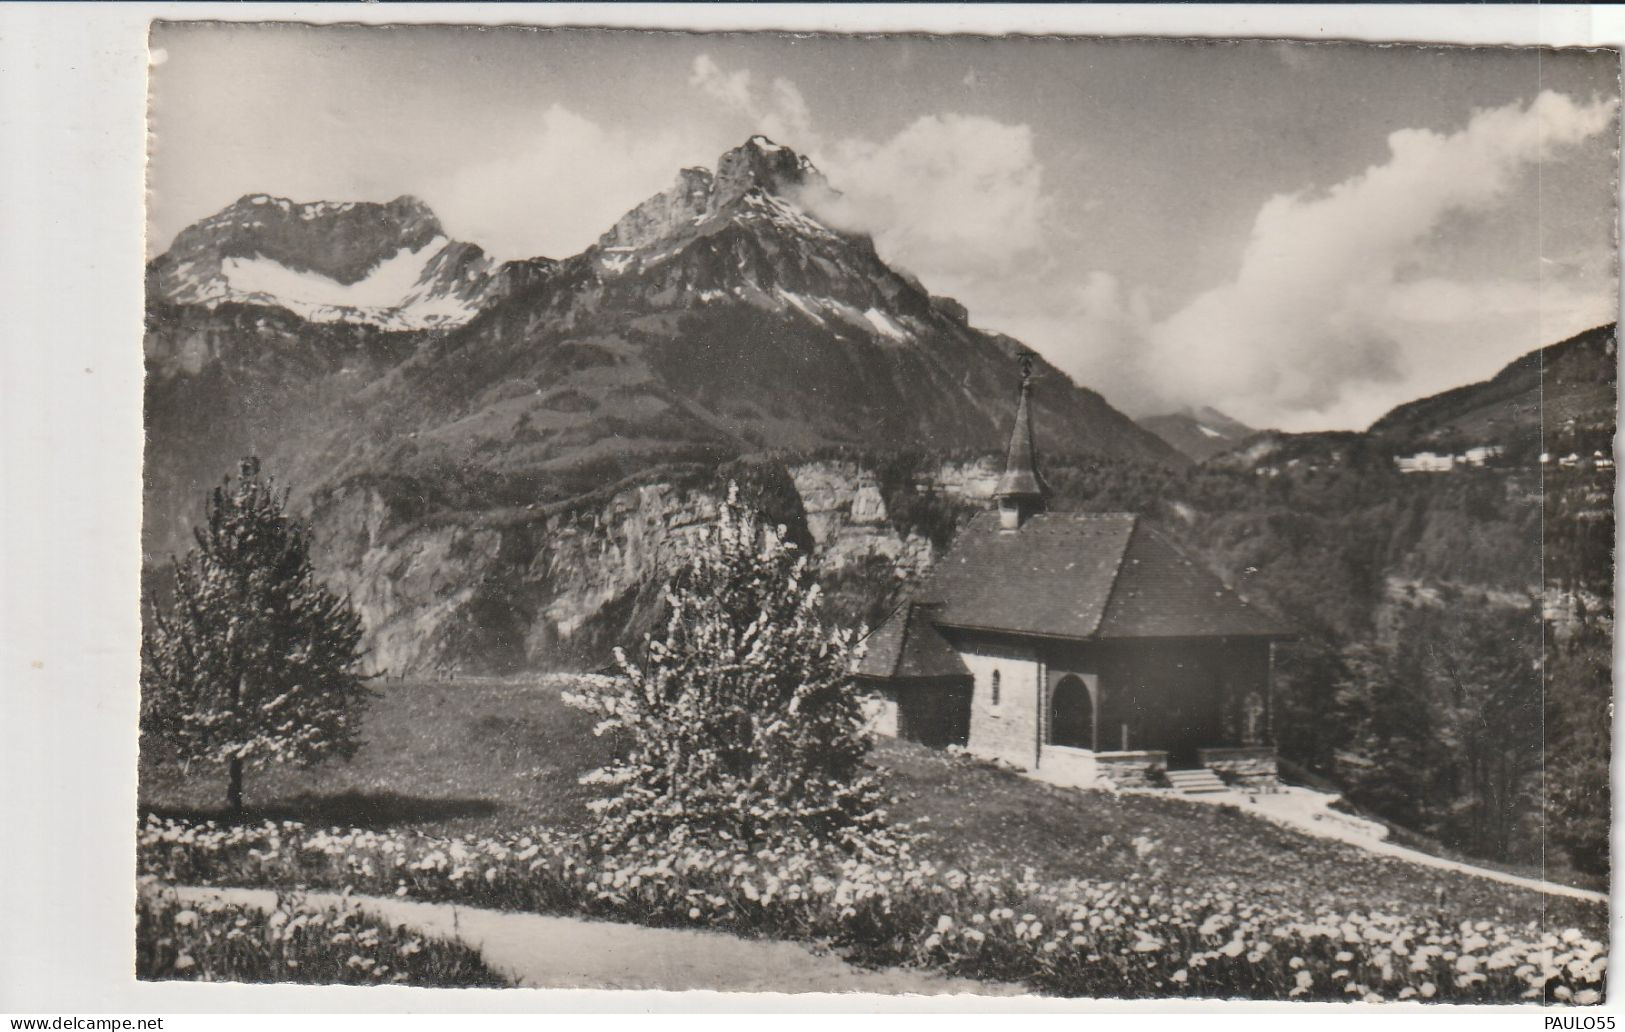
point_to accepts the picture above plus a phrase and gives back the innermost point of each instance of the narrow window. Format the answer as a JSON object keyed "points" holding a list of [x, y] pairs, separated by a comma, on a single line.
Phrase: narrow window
{"points": [[995, 688]]}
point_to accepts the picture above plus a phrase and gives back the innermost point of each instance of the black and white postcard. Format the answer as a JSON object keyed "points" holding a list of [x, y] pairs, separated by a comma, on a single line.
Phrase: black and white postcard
{"points": [[1107, 519]]}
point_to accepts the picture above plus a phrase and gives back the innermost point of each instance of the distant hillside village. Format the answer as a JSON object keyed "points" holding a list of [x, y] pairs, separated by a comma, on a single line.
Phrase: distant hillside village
{"points": [[1489, 455], [1598, 460], [1431, 462]]}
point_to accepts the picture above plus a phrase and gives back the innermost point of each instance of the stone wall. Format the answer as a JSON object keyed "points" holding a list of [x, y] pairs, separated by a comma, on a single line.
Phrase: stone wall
{"points": [[935, 712], [1139, 768], [1245, 765], [1007, 730]]}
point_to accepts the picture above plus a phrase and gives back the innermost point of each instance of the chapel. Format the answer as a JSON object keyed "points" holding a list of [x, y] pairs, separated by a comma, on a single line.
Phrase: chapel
{"points": [[1078, 645]]}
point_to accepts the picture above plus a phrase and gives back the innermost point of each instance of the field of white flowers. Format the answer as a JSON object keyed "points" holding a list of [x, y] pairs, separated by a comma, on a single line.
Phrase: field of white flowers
{"points": [[292, 942], [1124, 938]]}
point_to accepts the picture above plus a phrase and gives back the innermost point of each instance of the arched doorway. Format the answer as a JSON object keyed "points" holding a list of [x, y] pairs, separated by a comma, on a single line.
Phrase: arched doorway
{"points": [[1072, 714]]}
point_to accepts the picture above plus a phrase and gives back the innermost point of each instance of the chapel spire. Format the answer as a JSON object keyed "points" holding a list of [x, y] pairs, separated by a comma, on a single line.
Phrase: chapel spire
{"points": [[1021, 490]]}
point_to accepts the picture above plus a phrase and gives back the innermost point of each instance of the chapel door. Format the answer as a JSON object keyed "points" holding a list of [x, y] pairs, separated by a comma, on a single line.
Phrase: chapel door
{"points": [[1194, 719], [1185, 736], [1072, 714]]}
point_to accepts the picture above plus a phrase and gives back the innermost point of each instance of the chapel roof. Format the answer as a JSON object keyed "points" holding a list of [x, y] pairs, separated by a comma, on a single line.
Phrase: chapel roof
{"points": [[908, 645], [1083, 576]]}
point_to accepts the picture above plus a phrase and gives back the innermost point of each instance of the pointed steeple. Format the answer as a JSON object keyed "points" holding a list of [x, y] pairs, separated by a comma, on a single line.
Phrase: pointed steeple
{"points": [[1021, 490]]}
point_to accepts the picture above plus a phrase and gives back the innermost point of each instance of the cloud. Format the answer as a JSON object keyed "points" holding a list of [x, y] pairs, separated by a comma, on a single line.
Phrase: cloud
{"points": [[1325, 318], [781, 114], [731, 88], [1089, 324], [956, 195], [559, 184]]}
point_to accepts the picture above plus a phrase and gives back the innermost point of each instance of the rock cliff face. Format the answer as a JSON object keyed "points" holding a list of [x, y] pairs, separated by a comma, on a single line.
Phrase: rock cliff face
{"points": [[534, 589], [484, 595], [847, 519], [971, 482]]}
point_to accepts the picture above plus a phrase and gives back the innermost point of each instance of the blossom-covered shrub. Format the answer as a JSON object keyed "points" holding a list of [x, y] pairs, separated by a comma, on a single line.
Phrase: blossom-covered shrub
{"points": [[216, 941], [740, 719], [1126, 938]]}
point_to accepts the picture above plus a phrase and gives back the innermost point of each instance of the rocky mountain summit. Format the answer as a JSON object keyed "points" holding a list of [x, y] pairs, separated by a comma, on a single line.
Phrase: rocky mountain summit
{"points": [[388, 266], [698, 195]]}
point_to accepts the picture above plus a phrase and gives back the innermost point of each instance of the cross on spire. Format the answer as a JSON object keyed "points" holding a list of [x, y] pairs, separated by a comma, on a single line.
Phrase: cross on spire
{"points": [[1021, 490]]}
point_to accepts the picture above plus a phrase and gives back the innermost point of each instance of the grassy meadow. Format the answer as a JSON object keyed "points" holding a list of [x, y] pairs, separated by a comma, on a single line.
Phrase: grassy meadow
{"points": [[467, 757], [502, 757]]}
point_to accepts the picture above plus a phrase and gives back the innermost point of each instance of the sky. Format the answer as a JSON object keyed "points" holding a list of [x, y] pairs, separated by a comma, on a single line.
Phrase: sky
{"points": [[1300, 235]]}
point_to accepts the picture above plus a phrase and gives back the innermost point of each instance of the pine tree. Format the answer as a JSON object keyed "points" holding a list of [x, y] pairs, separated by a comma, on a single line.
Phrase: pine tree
{"points": [[1387, 759], [254, 660], [1578, 728], [741, 725], [1482, 664], [1444, 724]]}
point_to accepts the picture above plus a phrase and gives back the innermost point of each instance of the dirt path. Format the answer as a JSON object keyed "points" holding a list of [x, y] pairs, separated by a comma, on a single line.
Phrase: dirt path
{"points": [[569, 953]]}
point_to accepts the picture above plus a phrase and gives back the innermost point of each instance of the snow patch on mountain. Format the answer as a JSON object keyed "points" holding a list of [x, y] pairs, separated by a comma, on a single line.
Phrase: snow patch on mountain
{"points": [[885, 324], [808, 306], [785, 214], [409, 290], [615, 260], [384, 287]]}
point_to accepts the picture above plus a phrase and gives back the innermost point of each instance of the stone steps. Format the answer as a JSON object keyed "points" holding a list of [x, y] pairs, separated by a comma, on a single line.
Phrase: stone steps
{"points": [[1195, 781]]}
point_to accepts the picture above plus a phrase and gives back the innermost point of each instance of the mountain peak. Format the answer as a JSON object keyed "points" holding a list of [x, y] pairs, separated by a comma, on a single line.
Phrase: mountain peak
{"points": [[759, 162], [387, 263], [697, 194]]}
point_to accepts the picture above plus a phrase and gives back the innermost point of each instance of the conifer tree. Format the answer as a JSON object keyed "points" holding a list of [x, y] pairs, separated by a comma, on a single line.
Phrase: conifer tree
{"points": [[1578, 740], [254, 660], [740, 724]]}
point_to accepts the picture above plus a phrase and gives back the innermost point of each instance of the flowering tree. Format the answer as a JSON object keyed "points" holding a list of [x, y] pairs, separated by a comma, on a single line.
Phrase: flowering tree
{"points": [[254, 660], [741, 723]]}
